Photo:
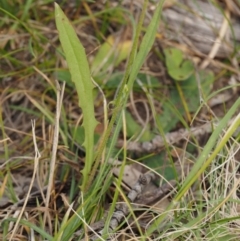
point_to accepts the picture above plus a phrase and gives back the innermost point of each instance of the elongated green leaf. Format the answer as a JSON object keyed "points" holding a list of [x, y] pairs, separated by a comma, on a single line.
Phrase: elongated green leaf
{"points": [[80, 73]]}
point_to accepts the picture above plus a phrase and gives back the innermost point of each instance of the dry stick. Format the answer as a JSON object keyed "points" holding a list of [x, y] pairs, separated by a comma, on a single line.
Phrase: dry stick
{"points": [[60, 93], [158, 194], [170, 138], [36, 161], [122, 209]]}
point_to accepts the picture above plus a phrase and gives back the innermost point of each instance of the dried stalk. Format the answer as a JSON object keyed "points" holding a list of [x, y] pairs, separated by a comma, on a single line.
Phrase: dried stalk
{"points": [[159, 142], [60, 93], [170, 138]]}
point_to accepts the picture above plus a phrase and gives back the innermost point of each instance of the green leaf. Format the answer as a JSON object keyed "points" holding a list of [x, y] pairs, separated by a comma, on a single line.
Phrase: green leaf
{"points": [[191, 91], [79, 135], [178, 68], [80, 73], [134, 129], [64, 75], [170, 115], [172, 107]]}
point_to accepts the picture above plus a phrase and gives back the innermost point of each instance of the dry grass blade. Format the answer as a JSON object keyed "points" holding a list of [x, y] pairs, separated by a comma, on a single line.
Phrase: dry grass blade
{"points": [[218, 41], [36, 161], [60, 92]]}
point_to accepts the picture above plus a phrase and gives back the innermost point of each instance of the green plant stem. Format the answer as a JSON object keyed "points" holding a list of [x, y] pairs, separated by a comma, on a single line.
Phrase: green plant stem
{"points": [[119, 103]]}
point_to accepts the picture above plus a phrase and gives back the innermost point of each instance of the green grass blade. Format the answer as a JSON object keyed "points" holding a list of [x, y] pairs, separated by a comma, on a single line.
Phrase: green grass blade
{"points": [[146, 44], [32, 226], [204, 161], [134, 64], [80, 73], [193, 223]]}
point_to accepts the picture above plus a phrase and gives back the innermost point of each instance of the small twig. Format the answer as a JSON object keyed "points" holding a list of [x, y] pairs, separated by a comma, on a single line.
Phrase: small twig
{"points": [[159, 142], [170, 138], [122, 209]]}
